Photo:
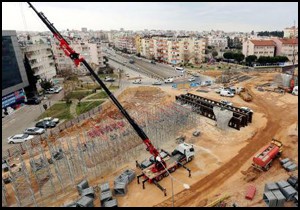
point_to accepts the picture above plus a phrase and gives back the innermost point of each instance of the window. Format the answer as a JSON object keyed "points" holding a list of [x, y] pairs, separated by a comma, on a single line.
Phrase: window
{"points": [[10, 70]]}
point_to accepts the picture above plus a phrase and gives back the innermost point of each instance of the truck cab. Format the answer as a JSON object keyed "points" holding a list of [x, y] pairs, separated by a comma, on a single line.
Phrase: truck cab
{"points": [[186, 150]]}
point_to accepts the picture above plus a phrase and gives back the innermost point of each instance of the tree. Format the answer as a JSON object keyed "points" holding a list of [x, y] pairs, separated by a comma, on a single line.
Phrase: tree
{"points": [[251, 59], [228, 55], [214, 54], [238, 57], [46, 84]]}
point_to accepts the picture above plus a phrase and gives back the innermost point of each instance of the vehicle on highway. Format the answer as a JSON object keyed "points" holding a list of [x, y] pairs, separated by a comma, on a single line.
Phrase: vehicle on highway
{"points": [[137, 82], [227, 93], [34, 131], [191, 79], [139, 58], [33, 100], [131, 61], [180, 69], [109, 79], [152, 61], [57, 89], [19, 138], [127, 75], [45, 124], [227, 103], [55, 120], [157, 83], [246, 109], [169, 80]]}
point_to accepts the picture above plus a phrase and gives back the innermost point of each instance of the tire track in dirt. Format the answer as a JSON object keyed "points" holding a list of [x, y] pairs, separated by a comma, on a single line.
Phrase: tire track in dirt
{"points": [[200, 190]]}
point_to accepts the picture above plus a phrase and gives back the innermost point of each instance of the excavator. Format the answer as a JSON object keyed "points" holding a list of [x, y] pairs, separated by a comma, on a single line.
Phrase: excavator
{"points": [[161, 167]]}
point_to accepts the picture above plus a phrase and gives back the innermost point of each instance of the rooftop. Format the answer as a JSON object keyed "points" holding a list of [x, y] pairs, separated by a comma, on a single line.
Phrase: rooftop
{"points": [[263, 42]]}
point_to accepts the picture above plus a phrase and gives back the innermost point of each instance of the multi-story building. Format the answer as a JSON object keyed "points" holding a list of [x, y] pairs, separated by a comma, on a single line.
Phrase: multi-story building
{"points": [[291, 32], [219, 42], [288, 48], [259, 48], [14, 77], [173, 50], [138, 44]]}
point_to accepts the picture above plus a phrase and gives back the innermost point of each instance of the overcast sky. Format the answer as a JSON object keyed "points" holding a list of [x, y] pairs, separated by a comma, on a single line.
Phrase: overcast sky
{"points": [[199, 16]]}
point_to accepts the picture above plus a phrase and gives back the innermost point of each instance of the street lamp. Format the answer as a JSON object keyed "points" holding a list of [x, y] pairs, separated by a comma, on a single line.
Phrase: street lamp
{"points": [[186, 186]]}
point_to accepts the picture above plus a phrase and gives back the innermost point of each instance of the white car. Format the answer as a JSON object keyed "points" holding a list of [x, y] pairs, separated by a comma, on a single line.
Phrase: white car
{"points": [[227, 93], [19, 138], [219, 90], [34, 131], [246, 109], [157, 83], [170, 80], [109, 79], [57, 89], [137, 82], [191, 79], [55, 120]]}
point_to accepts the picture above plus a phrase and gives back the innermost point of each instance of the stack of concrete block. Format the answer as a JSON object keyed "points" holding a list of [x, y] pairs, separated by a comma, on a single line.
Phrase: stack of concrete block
{"points": [[120, 189], [105, 196], [288, 165], [111, 203], [123, 178], [89, 192], [131, 174], [289, 192], [270, 199], [85, 201], [104, 187], [296, 199], [82, 185], [279, 197], [271, 186], [293, 181]]}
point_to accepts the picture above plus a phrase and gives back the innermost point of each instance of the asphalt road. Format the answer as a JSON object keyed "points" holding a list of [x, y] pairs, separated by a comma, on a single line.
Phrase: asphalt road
{"points": [[25, 117]]}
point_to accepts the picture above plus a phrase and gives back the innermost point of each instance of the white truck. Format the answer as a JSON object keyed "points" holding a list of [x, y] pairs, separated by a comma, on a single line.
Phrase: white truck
{"points": [[295, 91]]}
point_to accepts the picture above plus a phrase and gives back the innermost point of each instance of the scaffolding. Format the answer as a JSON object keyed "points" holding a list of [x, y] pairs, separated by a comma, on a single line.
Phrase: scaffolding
{"points": [[50, 169]]}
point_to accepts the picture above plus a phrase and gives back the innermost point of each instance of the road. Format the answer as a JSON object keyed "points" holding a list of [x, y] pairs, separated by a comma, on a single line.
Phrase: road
{"points": [[24, 117]]}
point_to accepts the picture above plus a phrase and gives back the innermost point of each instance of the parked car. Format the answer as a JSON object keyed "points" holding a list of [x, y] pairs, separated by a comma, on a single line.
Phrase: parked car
{"points": [[127, 75], [57, 89], [34, 131], [191, 79], [227, 93], [137, 82], [45, 124], [33, 100], [157, 83], [19, 138], [50, 91], [219, 90], [55, 120], [227, 103], [152, 61], [246, 109]]}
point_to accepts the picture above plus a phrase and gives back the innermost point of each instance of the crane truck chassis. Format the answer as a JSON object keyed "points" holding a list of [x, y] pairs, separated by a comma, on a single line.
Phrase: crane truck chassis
{"points": [[155, 172], [183, 154]]}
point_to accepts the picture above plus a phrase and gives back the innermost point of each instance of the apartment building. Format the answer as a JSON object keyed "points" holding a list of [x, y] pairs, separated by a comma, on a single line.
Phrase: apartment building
{"points": [[259, 48], [287, 47], [14, 77], [290, 32], [218, 42], [40, 58], [173, 50]]}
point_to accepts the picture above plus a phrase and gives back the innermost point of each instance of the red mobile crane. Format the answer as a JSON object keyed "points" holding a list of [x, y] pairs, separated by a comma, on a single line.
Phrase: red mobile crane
{"points": [[153, 173]]}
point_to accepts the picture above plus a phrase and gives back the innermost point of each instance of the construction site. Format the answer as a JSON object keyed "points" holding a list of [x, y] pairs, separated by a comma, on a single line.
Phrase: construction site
{"points": [[100, 149], [169, 146]]}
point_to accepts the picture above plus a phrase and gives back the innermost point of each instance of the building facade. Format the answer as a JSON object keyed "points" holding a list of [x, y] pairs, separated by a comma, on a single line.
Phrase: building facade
{"points": [[259, 48], [291, 32], [14, 77], [287, 47]]}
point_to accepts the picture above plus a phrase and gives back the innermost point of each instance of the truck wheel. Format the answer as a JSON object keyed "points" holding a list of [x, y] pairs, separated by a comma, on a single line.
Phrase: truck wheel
{"points": [[160, 177], [166, 174], [172, 169], [190, 159]]}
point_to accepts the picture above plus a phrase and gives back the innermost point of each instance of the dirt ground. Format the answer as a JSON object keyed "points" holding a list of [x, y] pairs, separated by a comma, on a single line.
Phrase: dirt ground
{"points": [[222, 161]]}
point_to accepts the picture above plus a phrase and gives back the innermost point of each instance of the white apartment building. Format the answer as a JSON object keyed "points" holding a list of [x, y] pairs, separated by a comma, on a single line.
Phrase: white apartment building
{"points": [[290, 32], [259, 48], [41, 60], [288, 48], [219, 42]]}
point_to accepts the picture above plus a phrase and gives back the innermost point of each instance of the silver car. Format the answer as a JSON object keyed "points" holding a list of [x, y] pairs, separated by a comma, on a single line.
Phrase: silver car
{"points": [[34, 131]]}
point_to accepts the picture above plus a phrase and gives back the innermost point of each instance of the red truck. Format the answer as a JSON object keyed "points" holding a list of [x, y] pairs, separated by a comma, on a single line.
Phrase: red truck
{"points": [[263, 159]]}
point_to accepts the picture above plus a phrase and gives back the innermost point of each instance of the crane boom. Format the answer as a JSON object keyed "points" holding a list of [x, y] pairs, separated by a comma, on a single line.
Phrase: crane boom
{"points": [[77, 60]]}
